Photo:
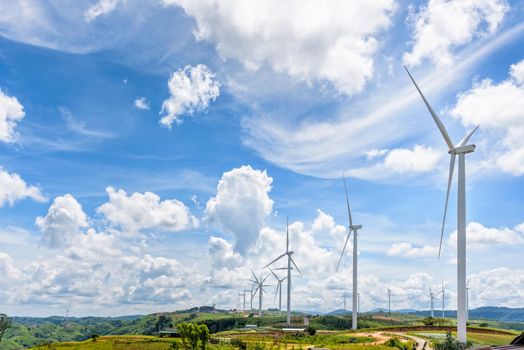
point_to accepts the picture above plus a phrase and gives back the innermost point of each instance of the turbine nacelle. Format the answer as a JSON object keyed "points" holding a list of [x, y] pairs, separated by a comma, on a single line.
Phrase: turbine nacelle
{"points": [[355, 227], [463, 149]]}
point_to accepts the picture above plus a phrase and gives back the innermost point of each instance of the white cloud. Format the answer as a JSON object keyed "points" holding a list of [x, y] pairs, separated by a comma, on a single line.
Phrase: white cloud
{"points": [[479, 236], [419, 159], [191, 88], [13, 188], [376, 153], [241, 205], [443, 25], [11, 112], [140, 211], [517, 72], [499, 286], [63, 223], [499, 109], [102, 7], [332, 42], [142, 103], [408, 250], [223, 254]]}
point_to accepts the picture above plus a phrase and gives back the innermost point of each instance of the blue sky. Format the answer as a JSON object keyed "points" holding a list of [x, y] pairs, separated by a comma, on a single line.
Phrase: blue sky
{"points": [[267, 103]]}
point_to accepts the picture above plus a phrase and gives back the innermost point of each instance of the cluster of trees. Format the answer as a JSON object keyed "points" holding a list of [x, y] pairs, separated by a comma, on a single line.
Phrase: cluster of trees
{"points": [[5, 323], [192, 334], [436, 321], [451, 344]]}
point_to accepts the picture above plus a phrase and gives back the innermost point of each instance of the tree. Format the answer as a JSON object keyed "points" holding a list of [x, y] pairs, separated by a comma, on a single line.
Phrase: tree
{"points": [[203, 335], [94, 337], [312, 330], [5, 323]]}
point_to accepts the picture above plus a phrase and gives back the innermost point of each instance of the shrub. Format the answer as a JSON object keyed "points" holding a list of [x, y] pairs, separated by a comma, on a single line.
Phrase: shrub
{"points": [[451, 344], [396, 343], [312, 330], [238, 343]]}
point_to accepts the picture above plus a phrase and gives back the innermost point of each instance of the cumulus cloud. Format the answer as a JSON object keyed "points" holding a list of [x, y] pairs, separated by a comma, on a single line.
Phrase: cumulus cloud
{"points": [[443, 25], [480, 236], [498, 108], [408, 250], [11, 112], [13, 188], [140, 211], [332, 42], [142, 103], [63, 223], [241, 204], [102, 7], [191, 89], [223, 254], [418, 159]]}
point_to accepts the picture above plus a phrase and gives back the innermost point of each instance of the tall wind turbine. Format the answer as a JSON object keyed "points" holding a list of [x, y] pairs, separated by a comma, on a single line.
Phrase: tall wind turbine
{"points": [[461, 150], [389, 302], [443, 292], [259, 282], [245, 291], [290, 261], [278, 290], [467, 301], [431, 300], [354, 229]]}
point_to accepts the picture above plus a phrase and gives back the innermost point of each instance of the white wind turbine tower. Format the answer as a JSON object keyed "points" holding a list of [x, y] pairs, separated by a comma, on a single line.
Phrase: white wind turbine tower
{"points": [[389, 302], [431, 300], [278, 291], [467, 301], [354, 229], [443, 292], [260, 289], [244, 292], [461, 150], [290, 261]]}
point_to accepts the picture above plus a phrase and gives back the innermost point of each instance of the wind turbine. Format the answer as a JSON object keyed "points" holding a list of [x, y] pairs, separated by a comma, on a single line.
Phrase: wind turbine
{"points": [[461, 150], [260, 289], [278, 291], [443, 292], [432, 297], [354, 229], [244, 291], [467, 301], [389, 302], [289, 268]]}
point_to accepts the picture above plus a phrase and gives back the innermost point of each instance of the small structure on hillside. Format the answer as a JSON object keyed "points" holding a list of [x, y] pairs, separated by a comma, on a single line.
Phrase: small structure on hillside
{"points": [[169, 333], [251, 326]]}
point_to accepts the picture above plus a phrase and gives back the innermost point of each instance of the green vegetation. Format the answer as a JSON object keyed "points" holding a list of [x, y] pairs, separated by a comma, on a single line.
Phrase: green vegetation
{"points": [[5, 323], [451, 343]]}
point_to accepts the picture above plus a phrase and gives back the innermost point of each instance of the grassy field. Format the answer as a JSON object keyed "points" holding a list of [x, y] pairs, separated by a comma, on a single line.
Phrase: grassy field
{"points": [[475, 338]]}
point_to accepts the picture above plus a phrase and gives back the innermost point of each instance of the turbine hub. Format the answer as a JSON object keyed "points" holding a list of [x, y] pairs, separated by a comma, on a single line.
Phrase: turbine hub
{"points": [[463, 149]]}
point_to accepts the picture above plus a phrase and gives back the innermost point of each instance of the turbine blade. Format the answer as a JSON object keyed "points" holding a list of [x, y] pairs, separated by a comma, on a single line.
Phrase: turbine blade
{"points": [[280, 257], [466, 139], [467, 284], [344, 249], [255, 277], [347, 201], [265, 278], [274, 274], [276, 292], [450, 178], [296, 267], [433, 114]]}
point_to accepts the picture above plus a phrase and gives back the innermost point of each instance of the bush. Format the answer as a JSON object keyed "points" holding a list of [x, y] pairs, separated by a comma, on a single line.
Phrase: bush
{"points": [[311, 330], [484, 324], [396, 343], [238, 343], [451, 344]]}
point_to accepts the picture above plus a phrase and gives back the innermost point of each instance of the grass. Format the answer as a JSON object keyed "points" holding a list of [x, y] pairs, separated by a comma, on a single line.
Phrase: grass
{"points": [[475, 338]]}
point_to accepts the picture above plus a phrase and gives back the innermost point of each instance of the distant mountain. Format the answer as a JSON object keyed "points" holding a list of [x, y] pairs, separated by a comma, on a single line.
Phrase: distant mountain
{"points": [[339, 312]]}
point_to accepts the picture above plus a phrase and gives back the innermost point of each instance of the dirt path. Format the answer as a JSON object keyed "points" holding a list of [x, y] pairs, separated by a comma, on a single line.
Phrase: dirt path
{"points": [[382, 337]]}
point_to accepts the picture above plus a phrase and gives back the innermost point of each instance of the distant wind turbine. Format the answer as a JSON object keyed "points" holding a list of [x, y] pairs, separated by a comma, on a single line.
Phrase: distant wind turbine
{"points": [[467, 301], [389, 302], [461, 150], [354, 229], [260, 289], [278, 290], [290, 261], [431, 300], [443, 292]]}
